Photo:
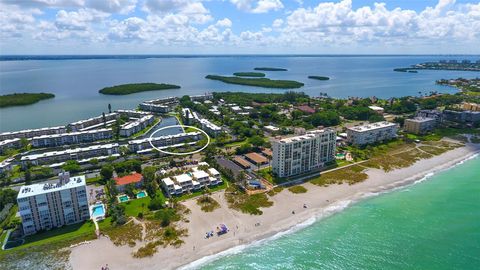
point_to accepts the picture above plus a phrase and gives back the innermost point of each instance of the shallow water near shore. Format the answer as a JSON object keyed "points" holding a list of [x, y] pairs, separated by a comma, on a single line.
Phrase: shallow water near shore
{"points": [[433, 224]]}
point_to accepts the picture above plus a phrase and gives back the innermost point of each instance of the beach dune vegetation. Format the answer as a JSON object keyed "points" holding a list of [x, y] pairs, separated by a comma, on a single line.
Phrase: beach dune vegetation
{"points": [[260, 82], [131, 88], [21, 99]]}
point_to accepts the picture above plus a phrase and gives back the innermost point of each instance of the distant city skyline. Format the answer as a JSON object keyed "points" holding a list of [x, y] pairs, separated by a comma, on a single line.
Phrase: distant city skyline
{"points": [[239, 27]]}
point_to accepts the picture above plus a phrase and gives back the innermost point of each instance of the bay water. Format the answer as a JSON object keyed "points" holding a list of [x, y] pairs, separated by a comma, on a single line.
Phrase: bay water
{"points": [[75, 82]]}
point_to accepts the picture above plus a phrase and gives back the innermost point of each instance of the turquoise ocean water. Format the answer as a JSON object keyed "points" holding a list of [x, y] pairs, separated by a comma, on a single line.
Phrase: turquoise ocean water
{"points": [[433, 224]]}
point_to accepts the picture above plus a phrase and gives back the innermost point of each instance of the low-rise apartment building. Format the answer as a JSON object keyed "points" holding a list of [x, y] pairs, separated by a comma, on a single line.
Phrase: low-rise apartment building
{"points": [[372, 133], [419, 125], [209, 127], [10, 144], [94, 151], [303, 154], [162, 105], [190, 117], [30, 133], [130, 128], [72, 138], [49, 205], [463, 117], [166, 140], [94, 122]]}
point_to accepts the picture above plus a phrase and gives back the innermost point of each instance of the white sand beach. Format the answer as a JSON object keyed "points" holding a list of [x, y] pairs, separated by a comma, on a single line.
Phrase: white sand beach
{"points": [[321, 201]]}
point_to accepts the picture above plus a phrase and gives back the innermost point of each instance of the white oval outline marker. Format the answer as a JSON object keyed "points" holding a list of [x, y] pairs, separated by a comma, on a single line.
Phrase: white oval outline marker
{"points": [[179, 154]]}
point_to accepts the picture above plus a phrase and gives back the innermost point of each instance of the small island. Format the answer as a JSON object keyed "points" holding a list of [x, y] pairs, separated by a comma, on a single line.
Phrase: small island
{"points": [[270, 69], [21, 99], [131, 88], [321, 78], [260, 82], [249, 74]]}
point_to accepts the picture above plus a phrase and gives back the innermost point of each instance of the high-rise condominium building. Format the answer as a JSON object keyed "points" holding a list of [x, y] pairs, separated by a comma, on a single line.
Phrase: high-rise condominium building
{"points": [[302, 154]]}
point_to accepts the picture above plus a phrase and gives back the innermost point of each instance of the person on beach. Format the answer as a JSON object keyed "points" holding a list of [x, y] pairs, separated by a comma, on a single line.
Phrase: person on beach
{"points": [[293, 212]]}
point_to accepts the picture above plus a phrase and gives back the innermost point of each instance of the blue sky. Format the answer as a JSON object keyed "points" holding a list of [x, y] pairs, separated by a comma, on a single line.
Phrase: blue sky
{"points": [[239, 26]]}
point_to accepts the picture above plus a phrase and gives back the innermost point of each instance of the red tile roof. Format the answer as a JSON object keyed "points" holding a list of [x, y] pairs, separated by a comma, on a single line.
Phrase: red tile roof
{"points": [[128, 179]]}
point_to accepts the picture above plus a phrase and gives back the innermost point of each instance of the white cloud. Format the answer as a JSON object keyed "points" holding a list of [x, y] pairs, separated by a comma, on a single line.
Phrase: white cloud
{"points": [[113, 6], [258, 6], [277, 23], [170, 23], [108, 6], [194, 10], [224, 23]]}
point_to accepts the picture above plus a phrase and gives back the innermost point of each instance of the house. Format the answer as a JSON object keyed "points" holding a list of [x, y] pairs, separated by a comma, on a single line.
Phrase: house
{"points": [[271, 128], [306, 109], [122, 182], [377, 109]]}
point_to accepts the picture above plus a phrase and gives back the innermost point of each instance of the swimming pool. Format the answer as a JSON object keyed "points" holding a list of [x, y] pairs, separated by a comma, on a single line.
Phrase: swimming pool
{"points": [[141, 194], [123, 198], [98, 210]]}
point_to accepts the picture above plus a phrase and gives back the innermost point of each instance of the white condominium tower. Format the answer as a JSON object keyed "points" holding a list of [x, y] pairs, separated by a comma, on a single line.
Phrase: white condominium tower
{"points": [[49, 205], [302, 154]]}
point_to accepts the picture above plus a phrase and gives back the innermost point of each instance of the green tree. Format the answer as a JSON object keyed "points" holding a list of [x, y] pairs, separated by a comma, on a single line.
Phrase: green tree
{"points": [[106, 172], [72, 166]]}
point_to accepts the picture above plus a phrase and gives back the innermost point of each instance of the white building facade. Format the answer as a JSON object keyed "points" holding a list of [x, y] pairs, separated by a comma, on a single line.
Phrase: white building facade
{"points": [[372, 133], [303, 154], [46, 206]]}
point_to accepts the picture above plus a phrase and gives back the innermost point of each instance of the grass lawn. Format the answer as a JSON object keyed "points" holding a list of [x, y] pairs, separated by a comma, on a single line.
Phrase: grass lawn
{"points": [[93, 180], [133, 207], [267, 174], [3, 235], [235, 143], [67, 234]]}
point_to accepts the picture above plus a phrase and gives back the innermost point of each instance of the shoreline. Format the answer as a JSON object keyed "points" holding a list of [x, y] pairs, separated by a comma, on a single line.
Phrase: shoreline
{"points": [[276, 221]]}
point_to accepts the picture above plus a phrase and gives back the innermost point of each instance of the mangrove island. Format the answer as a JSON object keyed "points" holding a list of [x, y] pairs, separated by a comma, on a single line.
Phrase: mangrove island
{"points": [[21, 99], [249, 74], [270, 69], [126, 89], [260, 82], [321, 78]]}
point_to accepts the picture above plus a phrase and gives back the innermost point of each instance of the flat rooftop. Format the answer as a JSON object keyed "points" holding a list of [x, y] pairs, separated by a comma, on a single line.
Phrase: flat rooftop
{"points": [[256, 157], [43, 188], [420, 119], [309, 135], [373, 126], [183, 178]]}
